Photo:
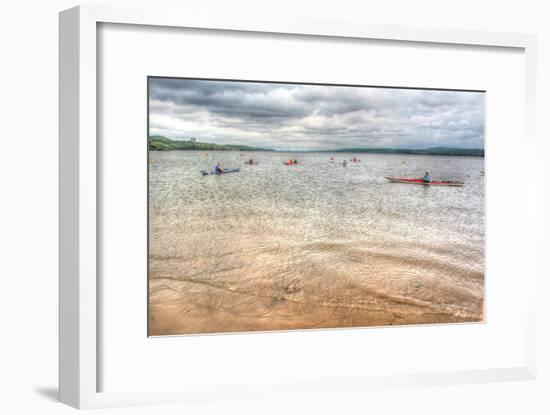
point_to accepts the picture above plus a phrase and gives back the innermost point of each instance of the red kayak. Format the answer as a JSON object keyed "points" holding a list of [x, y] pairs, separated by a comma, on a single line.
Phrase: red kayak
{"points": [[422, 182]]}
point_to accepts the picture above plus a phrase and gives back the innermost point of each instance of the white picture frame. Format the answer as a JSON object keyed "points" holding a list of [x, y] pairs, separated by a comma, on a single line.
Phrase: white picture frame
{"points": [[78, 380]]}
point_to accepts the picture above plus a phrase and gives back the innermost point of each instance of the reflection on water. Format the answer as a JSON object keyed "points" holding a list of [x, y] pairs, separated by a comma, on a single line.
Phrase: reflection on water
{"points": [[315, 245]]}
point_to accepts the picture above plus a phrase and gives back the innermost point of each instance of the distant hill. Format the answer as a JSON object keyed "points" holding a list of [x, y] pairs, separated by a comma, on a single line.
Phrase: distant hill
{"points": [[434, 151], [160, 143]]}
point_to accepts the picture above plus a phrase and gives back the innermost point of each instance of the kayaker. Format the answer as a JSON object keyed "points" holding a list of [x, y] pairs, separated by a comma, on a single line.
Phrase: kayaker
{"points": [[250, 161], [427, 178], [295, 161], [219, 168], [345, 163]]}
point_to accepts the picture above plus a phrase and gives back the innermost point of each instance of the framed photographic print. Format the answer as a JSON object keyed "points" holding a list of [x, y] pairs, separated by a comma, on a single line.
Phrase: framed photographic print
{"points": [[229, 226], [307, 231]]}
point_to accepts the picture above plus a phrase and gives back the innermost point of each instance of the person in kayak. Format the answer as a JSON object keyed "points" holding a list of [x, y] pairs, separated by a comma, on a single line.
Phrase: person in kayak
{"points": [[295, 161], [427, 178], [219, 168]]}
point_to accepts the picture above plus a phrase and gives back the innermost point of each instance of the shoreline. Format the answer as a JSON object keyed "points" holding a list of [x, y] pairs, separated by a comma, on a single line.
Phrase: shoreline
{"points": [[327, 152]]}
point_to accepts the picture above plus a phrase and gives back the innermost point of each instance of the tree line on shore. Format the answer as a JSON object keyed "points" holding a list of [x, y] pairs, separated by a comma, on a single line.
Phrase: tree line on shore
{"points": [[161, 143]]}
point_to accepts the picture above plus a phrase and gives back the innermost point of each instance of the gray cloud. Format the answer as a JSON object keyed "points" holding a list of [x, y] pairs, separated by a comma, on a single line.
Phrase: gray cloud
{"points": [[313, 116]]}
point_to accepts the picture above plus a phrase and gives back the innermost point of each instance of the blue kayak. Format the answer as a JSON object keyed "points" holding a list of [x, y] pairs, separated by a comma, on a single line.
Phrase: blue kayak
{"points": [[208, 173]]}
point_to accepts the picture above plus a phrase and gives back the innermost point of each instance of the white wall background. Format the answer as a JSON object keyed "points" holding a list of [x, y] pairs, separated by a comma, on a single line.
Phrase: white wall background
{"points": [[28, 208]]}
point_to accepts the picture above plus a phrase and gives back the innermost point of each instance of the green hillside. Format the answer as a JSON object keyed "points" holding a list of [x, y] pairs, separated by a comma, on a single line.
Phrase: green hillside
{"points": [[160, 143]]}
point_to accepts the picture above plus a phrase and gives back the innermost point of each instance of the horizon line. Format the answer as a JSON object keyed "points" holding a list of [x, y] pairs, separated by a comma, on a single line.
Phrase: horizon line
{"points": [[294, 149]]}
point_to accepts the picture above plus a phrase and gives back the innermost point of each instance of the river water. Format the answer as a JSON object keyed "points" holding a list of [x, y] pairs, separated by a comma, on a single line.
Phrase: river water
{"points": [[317, 245]]}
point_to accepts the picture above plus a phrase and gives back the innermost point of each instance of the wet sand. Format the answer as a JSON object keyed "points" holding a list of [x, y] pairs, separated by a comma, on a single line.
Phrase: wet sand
{"points": [[189, 307], [321, 286]]}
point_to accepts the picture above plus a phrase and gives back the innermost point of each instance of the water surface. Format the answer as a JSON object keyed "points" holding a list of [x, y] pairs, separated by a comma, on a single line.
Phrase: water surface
{"points": [[315, 245]]}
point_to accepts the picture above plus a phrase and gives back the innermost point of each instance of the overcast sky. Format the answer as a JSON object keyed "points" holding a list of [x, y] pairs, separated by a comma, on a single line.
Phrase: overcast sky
{"points": [[286, 116]]}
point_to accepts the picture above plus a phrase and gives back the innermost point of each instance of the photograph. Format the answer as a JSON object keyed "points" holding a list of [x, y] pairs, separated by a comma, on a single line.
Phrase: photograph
{"points": [[292, 206]]}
